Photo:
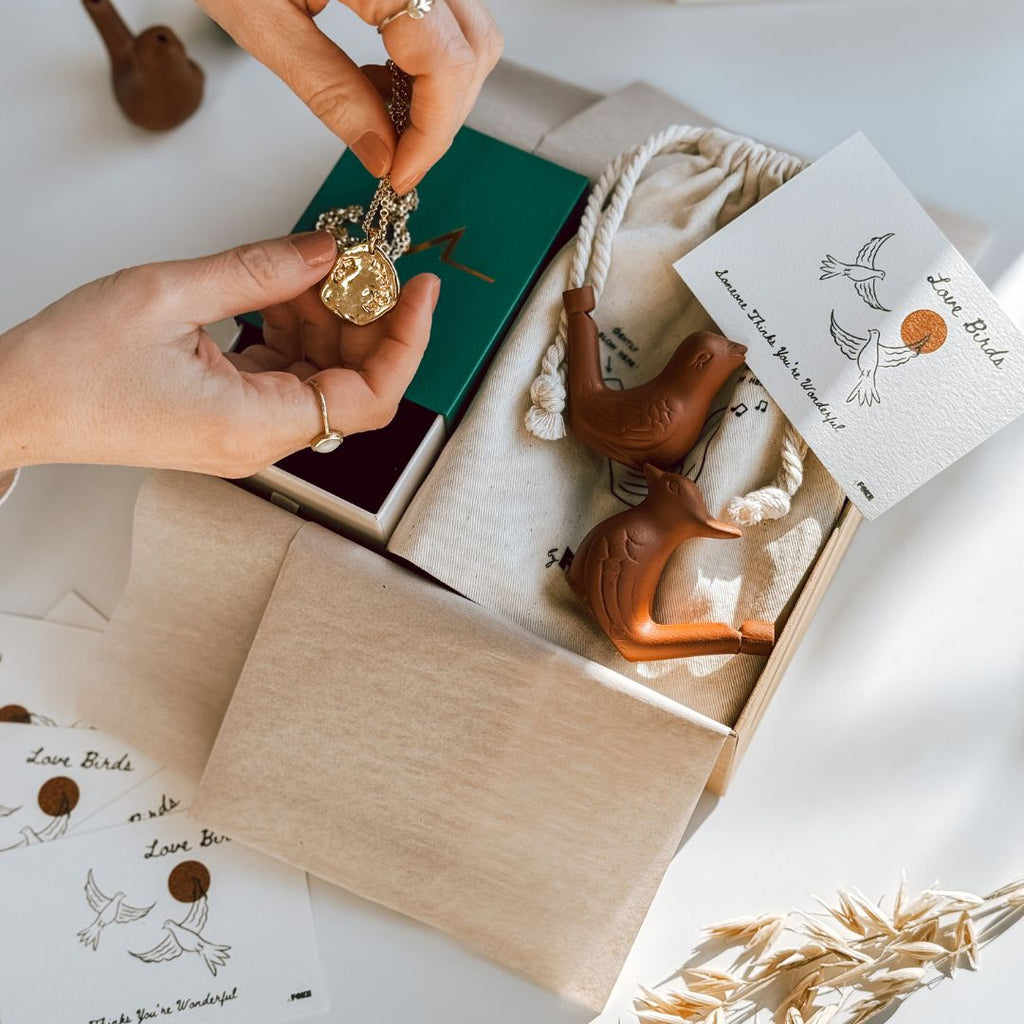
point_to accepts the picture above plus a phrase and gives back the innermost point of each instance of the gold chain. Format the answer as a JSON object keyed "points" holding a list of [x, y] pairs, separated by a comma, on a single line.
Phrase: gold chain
{"points": [[385, 222]]}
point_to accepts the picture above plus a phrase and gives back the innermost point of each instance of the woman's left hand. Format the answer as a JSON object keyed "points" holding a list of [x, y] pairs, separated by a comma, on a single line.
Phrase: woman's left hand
{"points": [[122, 372]]}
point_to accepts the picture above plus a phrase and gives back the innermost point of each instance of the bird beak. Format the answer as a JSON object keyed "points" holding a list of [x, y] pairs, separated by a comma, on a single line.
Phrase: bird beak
{"points": [[652, 473]]}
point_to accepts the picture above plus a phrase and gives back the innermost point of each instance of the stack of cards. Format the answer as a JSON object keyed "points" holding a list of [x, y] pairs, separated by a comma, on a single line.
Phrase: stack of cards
{"points": [[119, 907]]}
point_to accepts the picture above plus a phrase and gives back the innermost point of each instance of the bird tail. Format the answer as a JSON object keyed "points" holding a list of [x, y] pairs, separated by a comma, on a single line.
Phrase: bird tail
{"points": [[830, 267], [213, 955], [864, 391], [90, 935]]}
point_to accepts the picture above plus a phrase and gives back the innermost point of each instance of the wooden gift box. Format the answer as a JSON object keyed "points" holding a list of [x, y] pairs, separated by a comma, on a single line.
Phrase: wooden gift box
{"points": [[361, 722], [468, 774]]}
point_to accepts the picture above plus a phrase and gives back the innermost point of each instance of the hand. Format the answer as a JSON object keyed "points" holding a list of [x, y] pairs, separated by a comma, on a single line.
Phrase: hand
{"points": [[449, 52], [121, 371]]}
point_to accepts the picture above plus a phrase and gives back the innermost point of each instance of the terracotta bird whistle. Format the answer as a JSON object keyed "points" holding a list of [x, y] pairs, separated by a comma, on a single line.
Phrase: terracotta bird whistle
{"points": [[616, 571], [155, 83], [657, 422]]}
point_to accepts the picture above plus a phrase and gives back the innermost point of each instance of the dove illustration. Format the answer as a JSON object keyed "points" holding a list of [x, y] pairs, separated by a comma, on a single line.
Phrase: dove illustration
{"points": [[183, 937], [30, 836], [109, 910], [862, 272], [869, 354]]}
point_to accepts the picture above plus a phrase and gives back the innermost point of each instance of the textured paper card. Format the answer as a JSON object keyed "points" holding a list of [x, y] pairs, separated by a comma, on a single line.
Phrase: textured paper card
{"points": [[167, 792], [879, 342], [41, 665], [52, 779], [155, 921]]}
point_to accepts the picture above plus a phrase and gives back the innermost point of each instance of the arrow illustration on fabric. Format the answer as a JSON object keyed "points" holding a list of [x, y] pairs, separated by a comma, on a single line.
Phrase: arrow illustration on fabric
{"points": [[869, 354], [109, 910], [862, 272], [184, 937]]}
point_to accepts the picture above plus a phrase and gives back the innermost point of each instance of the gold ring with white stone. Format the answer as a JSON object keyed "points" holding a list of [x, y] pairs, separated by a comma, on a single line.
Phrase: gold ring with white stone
{"points": [[414, 8], [329, 440]]}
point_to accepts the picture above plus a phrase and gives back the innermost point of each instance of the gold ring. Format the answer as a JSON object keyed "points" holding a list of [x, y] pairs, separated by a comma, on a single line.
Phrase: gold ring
{"points": [[414, 8], [329, 440]]}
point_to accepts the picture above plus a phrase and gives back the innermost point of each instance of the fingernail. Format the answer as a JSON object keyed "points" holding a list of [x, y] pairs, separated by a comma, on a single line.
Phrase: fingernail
{"points": [[408, 185], [437, 290], [317, 248], [374, 153]]}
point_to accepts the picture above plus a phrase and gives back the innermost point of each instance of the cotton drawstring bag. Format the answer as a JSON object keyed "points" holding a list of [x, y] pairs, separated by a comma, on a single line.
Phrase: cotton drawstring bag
{"points": [[500, 514]]}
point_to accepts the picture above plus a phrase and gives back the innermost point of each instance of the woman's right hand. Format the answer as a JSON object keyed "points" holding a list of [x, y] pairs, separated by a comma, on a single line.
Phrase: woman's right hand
{"points": [[449, 52]]}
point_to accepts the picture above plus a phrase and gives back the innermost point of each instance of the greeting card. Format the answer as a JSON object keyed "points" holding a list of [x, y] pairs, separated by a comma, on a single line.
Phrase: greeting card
{"points": [[885, 350]]}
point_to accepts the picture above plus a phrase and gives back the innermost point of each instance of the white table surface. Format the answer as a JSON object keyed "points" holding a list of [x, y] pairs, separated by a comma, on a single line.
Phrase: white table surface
{"points": [[897, 738]]}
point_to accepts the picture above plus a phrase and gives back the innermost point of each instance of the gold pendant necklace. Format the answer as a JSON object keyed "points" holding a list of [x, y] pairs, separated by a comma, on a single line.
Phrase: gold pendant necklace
{"points": [[363, 283]]}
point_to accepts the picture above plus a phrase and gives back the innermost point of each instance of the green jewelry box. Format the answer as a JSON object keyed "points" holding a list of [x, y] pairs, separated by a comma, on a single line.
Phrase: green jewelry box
{"points": [[490, 218]]}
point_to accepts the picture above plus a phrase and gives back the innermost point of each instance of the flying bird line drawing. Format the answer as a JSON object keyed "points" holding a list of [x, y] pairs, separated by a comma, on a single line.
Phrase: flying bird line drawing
{"points": [[30, 836], [869, 354], [6, 812], [184, 937], [862, 271], [108, 910]]}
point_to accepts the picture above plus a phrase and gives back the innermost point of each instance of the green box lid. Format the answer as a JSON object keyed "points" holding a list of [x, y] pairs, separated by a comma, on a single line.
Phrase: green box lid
{"points": [[488, 219]]}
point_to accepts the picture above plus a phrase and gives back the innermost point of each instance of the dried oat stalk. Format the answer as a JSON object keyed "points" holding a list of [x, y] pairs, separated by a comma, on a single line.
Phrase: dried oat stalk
{"points": [[844, 964]]}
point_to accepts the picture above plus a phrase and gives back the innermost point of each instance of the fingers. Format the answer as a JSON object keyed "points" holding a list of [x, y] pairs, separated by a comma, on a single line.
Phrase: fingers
{"points": [[482, 33], [366, 399], [283, 414], [254, 276], [449, 52], [286, 40]]}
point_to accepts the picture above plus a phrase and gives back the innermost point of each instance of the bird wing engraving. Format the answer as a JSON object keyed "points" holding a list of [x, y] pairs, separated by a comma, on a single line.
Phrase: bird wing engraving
{"points": [[55, 829], [97, 900], [617, 566], [850, 344], [126, 913], [167, 949], [896, 355], [649, 420], [866, 290], [195, 920], [868, 252]]}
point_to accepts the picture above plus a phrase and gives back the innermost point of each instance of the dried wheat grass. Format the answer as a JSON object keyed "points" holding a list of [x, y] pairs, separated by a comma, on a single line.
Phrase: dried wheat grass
{"points": [[847, 965]]}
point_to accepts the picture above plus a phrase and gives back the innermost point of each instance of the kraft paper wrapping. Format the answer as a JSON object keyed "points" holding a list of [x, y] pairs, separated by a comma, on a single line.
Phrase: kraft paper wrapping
{"points": [[205, 556], [392, 737]]}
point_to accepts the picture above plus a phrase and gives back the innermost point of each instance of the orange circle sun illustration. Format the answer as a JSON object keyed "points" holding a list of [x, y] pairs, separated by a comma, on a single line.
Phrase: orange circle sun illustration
{"points": [[923, 330], [58, 796], [15, 713], [188, 881]]}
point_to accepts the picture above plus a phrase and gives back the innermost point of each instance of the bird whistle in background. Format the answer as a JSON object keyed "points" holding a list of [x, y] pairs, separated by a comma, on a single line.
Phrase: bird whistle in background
{"points": [[155, 83], [657, 422], [616, 571]]}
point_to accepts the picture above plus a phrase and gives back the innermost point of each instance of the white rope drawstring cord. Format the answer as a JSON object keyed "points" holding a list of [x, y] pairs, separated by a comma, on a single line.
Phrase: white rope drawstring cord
{"points": [[773, 501], [606, 206], [591, 259]]}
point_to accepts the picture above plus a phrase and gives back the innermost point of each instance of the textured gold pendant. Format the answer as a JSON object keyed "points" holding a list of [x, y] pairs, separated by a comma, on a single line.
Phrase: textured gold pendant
{"points": [[363, 284]]}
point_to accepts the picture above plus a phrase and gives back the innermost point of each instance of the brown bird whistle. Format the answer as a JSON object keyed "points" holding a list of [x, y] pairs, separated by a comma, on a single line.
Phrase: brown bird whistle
{"points": [[155, 83], [616, 571], [657, 422]]}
